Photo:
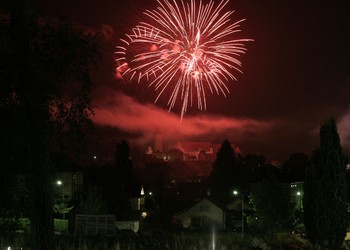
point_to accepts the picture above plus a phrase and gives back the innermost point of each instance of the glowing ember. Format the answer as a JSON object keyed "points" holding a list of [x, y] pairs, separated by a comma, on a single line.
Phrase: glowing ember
{"points": [[187, 48]]}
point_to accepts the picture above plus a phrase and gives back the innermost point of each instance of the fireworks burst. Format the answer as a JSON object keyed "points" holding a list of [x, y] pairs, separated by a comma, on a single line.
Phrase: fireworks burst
{"points": [[187, 48]]}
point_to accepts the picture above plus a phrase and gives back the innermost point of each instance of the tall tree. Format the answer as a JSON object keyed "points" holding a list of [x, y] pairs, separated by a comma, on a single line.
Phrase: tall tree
{"points": [[325, 194], [39, 59], [225, 175], [124, 164], [115, 180]]}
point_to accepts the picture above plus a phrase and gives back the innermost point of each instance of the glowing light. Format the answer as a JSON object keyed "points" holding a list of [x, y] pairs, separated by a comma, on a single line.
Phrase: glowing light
{"points": [[188, 48], [213, 238], [142, 191]]}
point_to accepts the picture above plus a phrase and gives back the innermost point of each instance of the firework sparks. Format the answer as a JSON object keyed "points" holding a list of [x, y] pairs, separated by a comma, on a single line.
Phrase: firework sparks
{"points": [[186, 48]]}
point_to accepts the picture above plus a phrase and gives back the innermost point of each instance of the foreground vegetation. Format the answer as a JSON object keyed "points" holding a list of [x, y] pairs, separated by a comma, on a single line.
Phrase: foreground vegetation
{"points": [[163, 240]]}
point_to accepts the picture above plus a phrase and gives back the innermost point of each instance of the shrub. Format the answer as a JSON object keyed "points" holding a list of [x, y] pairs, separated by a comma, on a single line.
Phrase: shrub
{"points": [[61, 226]]}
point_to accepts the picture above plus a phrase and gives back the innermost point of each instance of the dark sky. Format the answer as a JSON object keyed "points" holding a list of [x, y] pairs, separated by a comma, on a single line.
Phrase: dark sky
{"points": [[296, 75]]}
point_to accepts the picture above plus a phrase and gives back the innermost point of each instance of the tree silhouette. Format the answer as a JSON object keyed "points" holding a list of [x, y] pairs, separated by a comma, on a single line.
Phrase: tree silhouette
{"points": [[226, 173], [293, 170], [124, 166], [115, 181], [325, 195], [40, 58]]}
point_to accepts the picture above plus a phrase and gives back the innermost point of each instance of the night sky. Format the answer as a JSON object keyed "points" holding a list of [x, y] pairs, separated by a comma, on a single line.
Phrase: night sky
{"points": [[296, 75]]}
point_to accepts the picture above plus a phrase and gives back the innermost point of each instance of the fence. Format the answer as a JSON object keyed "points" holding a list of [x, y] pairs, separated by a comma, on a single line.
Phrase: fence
{"points": [[85, 224]]}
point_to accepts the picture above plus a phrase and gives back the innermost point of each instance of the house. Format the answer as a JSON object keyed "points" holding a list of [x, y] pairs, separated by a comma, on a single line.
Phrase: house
{"points": [[201, 215], [136, 196]]}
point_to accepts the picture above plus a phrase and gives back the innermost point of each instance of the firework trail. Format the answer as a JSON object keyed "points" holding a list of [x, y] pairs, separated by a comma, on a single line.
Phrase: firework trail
{"points": [[187, 48]]}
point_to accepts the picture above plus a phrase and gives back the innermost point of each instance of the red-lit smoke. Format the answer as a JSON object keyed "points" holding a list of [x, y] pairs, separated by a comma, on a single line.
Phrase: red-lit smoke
{"points": [[126, 114]]}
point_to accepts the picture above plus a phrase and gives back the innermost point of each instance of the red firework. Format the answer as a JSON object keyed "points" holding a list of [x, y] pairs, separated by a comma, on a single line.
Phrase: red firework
{"points": [[188, 48]]}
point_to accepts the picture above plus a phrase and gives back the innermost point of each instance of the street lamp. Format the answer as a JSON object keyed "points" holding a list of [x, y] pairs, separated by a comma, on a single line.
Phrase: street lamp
{"points": [[298, 193], [235, 193], [60, 183]]}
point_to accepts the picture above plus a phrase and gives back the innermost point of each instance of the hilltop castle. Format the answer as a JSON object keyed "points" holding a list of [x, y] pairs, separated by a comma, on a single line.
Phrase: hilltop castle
{"points": [[187, 159]]}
